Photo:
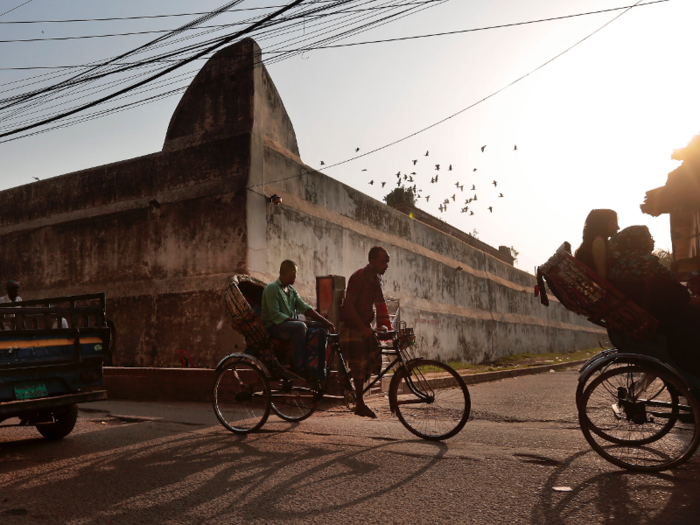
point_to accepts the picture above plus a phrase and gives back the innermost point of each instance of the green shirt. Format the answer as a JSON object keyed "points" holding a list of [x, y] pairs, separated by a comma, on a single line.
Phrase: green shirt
{"points": [[278, 305]]}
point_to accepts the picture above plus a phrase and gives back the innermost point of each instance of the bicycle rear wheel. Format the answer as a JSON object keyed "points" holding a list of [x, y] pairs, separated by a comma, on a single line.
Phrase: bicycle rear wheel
{"points": [[435, 409], [241, 397], [640, 417], [293, 403]]}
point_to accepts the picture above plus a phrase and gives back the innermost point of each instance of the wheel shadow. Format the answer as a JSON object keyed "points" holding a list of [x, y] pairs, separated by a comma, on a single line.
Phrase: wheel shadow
{"points": [[618, 496]]}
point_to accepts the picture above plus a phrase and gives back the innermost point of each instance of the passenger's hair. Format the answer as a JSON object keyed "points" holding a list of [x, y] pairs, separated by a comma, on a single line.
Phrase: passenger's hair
{"points": [[374, 253], [597, 225], [287, 267]]}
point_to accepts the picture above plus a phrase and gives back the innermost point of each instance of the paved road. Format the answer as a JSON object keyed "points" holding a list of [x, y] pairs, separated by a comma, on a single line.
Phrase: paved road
{"points": [[129, 463]]}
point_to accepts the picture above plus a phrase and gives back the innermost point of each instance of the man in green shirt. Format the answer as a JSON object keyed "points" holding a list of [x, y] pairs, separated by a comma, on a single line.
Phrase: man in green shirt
{"points": [[280, 304]]}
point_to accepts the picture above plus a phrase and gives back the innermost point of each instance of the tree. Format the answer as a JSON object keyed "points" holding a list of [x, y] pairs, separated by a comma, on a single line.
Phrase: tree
{"points": [[400, 195]]}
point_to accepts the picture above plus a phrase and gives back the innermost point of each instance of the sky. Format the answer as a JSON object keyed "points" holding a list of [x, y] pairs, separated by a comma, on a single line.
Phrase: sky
{"points": [[594, 128]]}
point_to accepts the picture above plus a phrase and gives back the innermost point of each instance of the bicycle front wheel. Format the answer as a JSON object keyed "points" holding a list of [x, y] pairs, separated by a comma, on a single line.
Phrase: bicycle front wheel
{"points": [[430, 399], [241, 397]]}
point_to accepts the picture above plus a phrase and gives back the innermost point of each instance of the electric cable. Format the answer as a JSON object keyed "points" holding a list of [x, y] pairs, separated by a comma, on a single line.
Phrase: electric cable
{"points": [[484, 99]]}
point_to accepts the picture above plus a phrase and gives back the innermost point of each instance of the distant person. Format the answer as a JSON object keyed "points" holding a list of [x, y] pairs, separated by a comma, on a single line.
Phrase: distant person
{"points": [[12, 296], [639, 274], [594, 251], [365, 291], [280, 304]]}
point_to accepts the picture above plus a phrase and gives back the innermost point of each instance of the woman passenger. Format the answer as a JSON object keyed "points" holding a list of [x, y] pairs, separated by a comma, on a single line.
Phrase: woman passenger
{"points": [[638, 274], [594, 251]]}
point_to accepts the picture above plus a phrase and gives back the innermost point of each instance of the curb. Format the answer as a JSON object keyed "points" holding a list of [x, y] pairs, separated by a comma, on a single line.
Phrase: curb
{"points": [[195, 384]]}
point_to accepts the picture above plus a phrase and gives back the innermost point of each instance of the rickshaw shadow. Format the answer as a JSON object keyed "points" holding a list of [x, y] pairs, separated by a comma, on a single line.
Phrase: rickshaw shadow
{"points": [[252, 477], [619, 496]]}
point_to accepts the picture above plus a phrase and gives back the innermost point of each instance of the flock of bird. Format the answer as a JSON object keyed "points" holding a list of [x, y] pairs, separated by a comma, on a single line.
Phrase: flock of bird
{"points": [[409, 181]]}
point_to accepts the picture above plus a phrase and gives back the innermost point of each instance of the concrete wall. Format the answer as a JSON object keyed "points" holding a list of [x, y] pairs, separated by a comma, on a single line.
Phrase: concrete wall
{"points": [[162, 234]]}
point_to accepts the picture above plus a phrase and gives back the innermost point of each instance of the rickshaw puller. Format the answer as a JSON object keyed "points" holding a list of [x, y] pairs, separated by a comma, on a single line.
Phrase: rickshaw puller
{"points": [[357, 338]]}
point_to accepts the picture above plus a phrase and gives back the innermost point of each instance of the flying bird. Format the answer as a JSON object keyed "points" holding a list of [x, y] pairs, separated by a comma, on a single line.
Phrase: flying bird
{"points": [[475, 197], [453, 197], [427, 198], [415, 162], [323, 163], [383, 183], [357, 149], [450, 168], [410, 179], [432, 180], [471, 213], [405, 177], [364, 170], [473, 187], [515, 148], [474, 169], [426, 153], [491, 209], [500, 195], [436, 177], [483, 148], [371, 182], [437, 167], [398, 174], [461, 187], [447, 201], [494, 184], [413, 173], [457, 184]]}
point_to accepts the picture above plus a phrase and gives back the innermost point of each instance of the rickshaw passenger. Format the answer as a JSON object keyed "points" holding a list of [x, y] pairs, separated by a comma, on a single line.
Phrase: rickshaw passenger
{"points": [[594, 251], [637, 273], [280, 304]]}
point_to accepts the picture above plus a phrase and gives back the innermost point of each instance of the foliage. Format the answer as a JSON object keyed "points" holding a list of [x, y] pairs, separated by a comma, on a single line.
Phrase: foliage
{"points": [[515, 254], [665, 257], [400, 195], [474, 233]]}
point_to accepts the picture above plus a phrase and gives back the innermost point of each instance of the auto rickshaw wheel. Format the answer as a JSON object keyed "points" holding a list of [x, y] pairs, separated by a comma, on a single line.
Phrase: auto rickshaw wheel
{"points": [[62, 426]]}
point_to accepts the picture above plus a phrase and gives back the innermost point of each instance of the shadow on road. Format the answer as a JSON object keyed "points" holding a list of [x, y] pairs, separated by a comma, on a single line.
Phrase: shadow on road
{"points": [[620, 496], [207, 474]]}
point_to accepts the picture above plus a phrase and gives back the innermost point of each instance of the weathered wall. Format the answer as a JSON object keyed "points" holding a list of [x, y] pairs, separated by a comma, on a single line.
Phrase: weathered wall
{"points": [[162, 234], [484, 311]]}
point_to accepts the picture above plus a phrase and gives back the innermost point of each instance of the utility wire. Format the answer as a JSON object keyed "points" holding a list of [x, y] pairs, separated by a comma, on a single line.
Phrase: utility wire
{"points": [[20, 5], [123, 93], [545, 64], [224, 41], [151, 16], [398, 39]]}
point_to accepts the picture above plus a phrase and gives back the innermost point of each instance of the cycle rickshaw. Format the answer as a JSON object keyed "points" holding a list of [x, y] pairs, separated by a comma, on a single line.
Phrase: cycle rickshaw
{"points": [[430, 398], [636, 408]]}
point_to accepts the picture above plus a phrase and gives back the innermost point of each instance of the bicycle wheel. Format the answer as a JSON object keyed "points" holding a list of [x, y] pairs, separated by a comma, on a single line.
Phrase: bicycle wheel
{"points": [[435, 409], [640, 417], [241, 397], [293, 403]]}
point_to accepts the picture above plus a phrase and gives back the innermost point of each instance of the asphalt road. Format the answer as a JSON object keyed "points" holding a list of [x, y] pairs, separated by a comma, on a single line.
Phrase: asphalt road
{"points": [[129, 463]]}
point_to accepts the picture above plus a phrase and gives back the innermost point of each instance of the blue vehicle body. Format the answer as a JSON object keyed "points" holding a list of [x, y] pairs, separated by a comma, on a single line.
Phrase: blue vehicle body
{"points": [[45, 370]]}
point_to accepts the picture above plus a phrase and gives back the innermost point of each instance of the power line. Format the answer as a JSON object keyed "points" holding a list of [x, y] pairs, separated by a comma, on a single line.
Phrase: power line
{"points": [[20, 5], [149, 16], [167, 70], [38, 121], [442, 121], [398, 39]]}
